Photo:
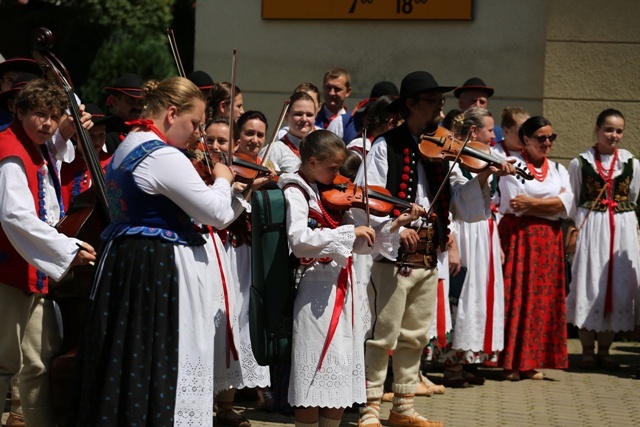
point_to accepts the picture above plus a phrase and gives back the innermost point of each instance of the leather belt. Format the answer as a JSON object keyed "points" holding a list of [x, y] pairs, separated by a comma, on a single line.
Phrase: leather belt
{"points": [[425, 255]]}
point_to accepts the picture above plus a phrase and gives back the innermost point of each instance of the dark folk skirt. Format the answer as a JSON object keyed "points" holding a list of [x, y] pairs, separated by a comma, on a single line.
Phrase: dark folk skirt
{"points": [[128, 359]]}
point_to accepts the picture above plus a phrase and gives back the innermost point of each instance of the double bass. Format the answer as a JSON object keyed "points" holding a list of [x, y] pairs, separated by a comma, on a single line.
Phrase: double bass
{"points": [[85, 219]]}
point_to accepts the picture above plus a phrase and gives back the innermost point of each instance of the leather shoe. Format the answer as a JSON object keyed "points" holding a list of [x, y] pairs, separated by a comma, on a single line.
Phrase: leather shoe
{"points": [[473, 379], [588, 362], [423, 390], [532, 374], [430, 386], [509, 375], [454, 378], [399, 420], [607, 363], [231, 418]]}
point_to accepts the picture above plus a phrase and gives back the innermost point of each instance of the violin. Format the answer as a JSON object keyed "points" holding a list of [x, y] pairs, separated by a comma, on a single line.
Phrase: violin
{"points": [[245, 168], [475, 157], [342, 195], [202, 163]]}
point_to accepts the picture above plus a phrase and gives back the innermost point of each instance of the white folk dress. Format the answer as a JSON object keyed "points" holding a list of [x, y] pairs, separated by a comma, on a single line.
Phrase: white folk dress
{"points": [[244, 372], [167, 172], [479, 248], [585, 302], [340, 381], [281, 155]]}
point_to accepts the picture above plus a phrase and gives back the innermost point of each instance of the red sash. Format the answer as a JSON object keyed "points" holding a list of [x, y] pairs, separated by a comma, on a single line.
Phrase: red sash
{"points": [[231, 346], [345, 280], [488, 329]]}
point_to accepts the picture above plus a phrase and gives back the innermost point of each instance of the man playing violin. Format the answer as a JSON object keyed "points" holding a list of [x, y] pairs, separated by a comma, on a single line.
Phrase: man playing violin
{"points": [[402, 293]]}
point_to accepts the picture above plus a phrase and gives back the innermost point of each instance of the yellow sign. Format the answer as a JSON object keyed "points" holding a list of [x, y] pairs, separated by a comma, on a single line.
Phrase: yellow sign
{"points": [[367, 9]]}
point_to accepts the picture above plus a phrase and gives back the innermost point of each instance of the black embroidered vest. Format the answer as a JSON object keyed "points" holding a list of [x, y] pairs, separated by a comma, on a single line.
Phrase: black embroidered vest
{"points": [[400, 144], [592, 184]]}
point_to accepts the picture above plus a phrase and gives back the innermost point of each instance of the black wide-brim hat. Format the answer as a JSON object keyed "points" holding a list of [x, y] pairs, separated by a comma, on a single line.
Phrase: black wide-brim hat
{"points": [[22, 65], [17, 84], [474, 83], [414, 84], [202, 80], [97, 116], [130, 84]]}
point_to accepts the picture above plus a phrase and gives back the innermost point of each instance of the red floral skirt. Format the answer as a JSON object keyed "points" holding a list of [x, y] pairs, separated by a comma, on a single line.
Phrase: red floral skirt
{"points": [[534, 289]]}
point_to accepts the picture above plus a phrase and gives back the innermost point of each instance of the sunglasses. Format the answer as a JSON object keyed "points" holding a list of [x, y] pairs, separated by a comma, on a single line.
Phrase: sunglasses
{"points": [[542, 138]]}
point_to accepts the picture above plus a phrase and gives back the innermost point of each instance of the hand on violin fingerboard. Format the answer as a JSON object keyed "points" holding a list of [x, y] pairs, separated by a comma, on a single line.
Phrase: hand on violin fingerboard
{"points": [[408, 216], [505, 168], [263, 179]]}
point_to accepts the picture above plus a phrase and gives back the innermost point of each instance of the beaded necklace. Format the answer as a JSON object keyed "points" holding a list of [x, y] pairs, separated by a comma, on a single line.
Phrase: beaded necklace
{"points": [[605, 174], [333, 223], [539, 176]]}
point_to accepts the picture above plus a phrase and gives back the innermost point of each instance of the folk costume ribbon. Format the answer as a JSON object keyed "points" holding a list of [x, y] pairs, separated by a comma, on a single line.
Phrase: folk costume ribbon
{"points": [[488, 329], [148, 125], [344, 280], [231, 346], [610, 203]]}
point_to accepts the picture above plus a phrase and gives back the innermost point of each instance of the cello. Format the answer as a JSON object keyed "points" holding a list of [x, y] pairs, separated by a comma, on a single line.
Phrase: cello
{"points": [[85, 219]]}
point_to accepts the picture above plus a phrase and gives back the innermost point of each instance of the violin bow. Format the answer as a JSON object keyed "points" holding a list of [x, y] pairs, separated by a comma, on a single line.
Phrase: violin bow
{"points": [[366, 179], [274, 135], [176, 57], [174, 50], [232, 103]]}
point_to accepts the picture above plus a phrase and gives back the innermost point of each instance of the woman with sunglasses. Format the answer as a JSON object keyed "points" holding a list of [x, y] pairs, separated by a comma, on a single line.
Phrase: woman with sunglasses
{"points": [[531, 238], [606, 182]]}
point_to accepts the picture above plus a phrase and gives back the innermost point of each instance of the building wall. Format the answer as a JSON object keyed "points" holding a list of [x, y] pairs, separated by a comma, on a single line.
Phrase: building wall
{"points": [[592, 63], [275, 56], [565, 60]]}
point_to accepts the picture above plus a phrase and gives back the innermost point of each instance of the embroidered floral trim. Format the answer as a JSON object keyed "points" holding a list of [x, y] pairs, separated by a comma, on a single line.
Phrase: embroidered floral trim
{"points": [[42, 215]]}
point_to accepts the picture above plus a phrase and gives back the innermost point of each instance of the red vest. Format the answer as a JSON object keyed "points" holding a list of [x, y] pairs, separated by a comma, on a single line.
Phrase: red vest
{"points": [[14, 270]]}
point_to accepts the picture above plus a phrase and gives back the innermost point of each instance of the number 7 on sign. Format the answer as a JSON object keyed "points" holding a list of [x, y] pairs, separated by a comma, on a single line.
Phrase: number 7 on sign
{"points": [[353, 6]]}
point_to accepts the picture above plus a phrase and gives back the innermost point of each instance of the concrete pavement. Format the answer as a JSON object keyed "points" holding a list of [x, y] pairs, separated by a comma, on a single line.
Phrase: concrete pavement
{"points": [[564, 399]]}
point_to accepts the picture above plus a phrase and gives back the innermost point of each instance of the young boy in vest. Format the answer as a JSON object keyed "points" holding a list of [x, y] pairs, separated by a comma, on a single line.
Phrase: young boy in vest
{"points": [[31, 249]]}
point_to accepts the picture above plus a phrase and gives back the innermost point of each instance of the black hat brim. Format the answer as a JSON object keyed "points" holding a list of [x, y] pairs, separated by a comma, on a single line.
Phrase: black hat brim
{"points": [[132, 92], [21, 65], [487, 89]]}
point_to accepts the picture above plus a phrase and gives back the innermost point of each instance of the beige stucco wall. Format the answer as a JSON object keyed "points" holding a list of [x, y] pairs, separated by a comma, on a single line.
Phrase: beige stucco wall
{"points": [[592, 63], [504, 45]]}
